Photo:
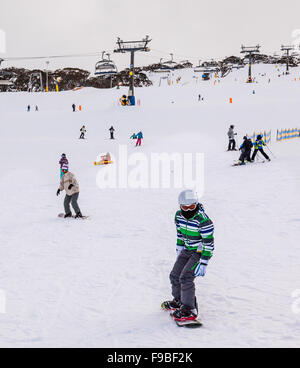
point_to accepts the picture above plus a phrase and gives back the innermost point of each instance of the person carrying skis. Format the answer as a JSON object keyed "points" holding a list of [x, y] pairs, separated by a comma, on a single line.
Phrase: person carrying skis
{"points": [[83, 131], [258, 146], [69, 183], [64, 163], [111, 130], [195, 246], [232, 143], [246, 148], [139, 138]]}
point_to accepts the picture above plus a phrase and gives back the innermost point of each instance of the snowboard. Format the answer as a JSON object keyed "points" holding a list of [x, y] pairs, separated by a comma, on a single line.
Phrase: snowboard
{"points": [[103, 163], [189, 324], [62, 215]]}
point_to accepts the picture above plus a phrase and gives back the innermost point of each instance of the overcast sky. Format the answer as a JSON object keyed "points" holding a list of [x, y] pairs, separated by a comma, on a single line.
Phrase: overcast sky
{"points": [[191, 29]]}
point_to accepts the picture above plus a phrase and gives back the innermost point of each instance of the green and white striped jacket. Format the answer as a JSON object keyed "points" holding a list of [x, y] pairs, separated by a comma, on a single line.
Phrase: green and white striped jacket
{"points": [[196, 234]]}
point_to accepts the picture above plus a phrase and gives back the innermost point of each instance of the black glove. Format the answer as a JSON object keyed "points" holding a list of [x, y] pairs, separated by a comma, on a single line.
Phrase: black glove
{"points": [[58, 192], [70, 186]]}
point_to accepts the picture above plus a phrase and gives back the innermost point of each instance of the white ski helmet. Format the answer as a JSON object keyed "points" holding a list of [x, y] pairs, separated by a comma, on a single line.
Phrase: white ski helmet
{"points": [[187, 197]]}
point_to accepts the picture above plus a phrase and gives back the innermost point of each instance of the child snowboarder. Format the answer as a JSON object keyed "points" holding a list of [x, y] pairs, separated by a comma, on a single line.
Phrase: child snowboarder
{"points": [[232, 143], [111, 130], [83, 131], [69, 183], [246, 148], [195, 246], [139, 139], [64, 164], [258, 146]]}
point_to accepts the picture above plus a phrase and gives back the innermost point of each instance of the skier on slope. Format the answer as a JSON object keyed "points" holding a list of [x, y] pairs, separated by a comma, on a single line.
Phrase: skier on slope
{"points": [[112, 130], [258, 146], [82, 132], [63, 163], [246, 148], [139, 138], [69, 183], [232, 143], [195, 246]]}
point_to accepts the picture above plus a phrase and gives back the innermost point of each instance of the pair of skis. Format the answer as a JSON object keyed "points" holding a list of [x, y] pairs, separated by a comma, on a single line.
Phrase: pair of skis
{"points": [[189, 324]]}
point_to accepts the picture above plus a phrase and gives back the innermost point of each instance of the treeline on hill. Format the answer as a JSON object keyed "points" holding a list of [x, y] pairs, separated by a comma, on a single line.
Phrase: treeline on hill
{"points": [[67, 79], [70, 78]]}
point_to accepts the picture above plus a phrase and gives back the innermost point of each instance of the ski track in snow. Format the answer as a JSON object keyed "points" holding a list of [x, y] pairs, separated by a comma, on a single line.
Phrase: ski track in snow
{"points": [[100, 282]]}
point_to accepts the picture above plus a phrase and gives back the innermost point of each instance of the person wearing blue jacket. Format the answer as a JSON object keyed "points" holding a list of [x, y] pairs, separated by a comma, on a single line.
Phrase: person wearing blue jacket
{"points": [[258, 146], [139, 138]]}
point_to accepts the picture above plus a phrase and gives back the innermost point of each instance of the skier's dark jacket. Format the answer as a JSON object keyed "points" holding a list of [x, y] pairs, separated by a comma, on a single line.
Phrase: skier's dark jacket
{"points": [[247, 145]]}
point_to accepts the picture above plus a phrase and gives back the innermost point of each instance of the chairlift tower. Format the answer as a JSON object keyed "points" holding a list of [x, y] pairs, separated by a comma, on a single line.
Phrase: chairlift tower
{"points": [[35, 75], [287, 50], [250, 51], [132, 47]]}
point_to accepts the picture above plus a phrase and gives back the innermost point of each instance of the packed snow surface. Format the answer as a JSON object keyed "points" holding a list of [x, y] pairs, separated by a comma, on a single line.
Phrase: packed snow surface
{"points": [[100, 282]]}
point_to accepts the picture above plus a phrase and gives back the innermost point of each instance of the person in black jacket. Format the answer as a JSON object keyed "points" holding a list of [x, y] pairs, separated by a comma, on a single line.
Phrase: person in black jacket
{"points": [[112, 130], [246, 148]]}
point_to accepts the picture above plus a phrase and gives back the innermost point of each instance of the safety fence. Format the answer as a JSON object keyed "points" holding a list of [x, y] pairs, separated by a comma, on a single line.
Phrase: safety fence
{"points": [[287, 134], [266, 136]]}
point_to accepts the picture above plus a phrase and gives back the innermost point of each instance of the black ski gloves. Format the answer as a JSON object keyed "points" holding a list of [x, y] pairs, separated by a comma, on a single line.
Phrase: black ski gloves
{"points": [[58, 192], [70, 186]]}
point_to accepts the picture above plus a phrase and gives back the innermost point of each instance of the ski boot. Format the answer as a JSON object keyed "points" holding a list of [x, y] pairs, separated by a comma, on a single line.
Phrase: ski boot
{"points": [[185, 314], [68, 215], [78, 215], [171, 305]]}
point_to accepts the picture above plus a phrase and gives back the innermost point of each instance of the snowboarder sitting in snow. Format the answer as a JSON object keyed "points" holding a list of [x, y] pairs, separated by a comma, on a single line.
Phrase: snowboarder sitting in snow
{"points": [[63, 163], [124, 100], [195, 245], [258, 146], [246, 148], [83, 131], [69, 183], [106, 159], [231, 134]]}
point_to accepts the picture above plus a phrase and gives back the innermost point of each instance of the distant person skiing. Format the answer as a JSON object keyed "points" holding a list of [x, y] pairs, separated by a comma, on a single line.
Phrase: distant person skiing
{"points": [[139, 138], [258, 147], [195, 246], [112, 130], [74, 107], [69, 183], [82, 131], [28, 108], [246, 148], [64, 164], [232, 143], [36, 108]]}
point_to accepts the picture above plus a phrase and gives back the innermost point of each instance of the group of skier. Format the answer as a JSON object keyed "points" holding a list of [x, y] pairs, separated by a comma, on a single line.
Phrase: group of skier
{"points": [[246, 147]]}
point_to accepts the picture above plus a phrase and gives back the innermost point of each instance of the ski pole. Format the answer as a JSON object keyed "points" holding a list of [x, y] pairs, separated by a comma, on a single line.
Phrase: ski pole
{"points": [[271, 152]]}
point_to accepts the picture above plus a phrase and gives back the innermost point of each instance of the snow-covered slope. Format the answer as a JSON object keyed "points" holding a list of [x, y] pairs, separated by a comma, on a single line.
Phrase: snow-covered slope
{"points": [[100, 282]]}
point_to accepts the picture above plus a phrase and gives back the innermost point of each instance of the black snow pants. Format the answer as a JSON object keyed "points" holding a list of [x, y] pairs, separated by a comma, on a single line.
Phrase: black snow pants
{"points": [[262, 152], [231, 145]]}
